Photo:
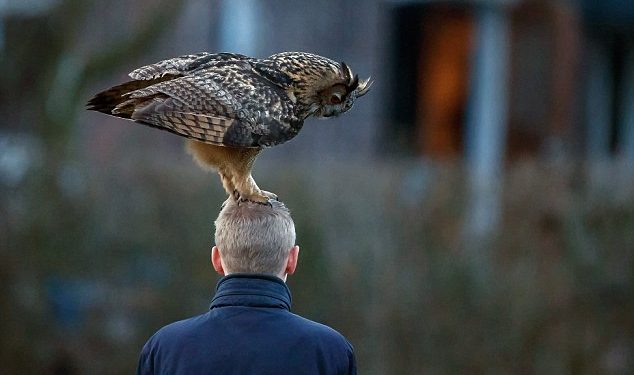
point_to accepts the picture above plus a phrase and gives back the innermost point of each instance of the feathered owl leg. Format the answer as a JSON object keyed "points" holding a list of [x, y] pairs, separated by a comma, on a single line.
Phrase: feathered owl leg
{"points": [[242, 179], [228, 185], [234, 167]]}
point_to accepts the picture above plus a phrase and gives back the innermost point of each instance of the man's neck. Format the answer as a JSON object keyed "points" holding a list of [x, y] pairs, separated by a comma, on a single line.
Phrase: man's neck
{"points": [[283, 276]]}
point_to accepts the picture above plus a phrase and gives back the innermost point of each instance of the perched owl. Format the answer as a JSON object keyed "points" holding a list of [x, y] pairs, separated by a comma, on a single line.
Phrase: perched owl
{"points": [[231, 106]]}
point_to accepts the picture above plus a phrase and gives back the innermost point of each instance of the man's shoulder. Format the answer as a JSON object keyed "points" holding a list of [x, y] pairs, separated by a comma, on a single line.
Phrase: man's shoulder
{"points": [[318, 331], [327, 344], [179, 328]]}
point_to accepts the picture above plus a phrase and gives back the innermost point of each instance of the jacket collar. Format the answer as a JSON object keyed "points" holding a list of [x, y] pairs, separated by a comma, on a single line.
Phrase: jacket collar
{"points": [[253, 290]]}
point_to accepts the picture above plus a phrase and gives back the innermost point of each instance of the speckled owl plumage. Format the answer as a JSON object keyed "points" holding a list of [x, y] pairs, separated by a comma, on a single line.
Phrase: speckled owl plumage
{"points": [[231, 106]]}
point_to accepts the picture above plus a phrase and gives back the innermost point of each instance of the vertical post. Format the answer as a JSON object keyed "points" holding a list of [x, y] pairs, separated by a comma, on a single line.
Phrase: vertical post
{"points": [[3, 11], [625, 171], [239, 26], [627, 148], [1, 35], [599, 100], [598, 114], [486, 120]]}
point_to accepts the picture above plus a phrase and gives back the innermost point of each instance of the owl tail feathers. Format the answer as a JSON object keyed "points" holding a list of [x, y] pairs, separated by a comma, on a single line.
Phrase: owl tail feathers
{"points": [[116, 102], [107, 101]]}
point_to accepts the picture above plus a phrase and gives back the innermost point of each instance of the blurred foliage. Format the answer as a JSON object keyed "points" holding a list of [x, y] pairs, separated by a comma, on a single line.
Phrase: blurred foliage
{"points": [[50, 68]]}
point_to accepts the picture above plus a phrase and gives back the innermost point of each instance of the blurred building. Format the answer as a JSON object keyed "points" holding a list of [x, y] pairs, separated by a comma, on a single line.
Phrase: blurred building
{"points": [[563, 68]]}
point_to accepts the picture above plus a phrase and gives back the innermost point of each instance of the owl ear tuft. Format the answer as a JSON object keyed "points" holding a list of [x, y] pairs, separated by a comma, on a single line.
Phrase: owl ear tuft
{"points": [[347, 72], [351, 79], [354, 84]]}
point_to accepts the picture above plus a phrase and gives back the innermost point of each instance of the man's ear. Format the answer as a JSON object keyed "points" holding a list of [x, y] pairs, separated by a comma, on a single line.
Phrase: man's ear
{"points": [[216, 261], [291, 262]]}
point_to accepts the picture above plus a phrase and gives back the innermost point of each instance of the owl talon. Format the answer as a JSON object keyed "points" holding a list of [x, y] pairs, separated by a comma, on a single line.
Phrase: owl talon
{"points": [[268, 202], [264, 197], [269, 195], [259, 197]]}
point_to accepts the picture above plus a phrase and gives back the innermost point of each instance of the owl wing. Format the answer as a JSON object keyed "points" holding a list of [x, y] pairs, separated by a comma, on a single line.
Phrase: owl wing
{"points": [[148, 75], [223, 99], [185, 64]]}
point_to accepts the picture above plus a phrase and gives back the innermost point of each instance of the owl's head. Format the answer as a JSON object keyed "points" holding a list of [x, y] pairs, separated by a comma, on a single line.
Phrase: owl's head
{"points": [[339, 96], [324, 87]]}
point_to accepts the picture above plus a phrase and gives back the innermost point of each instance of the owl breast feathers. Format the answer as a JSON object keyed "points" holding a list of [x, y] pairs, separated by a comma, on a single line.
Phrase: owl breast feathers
{"points": [[234, 102]]}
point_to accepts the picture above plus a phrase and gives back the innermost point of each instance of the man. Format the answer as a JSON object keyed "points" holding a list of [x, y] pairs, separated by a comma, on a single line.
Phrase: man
{"points": [[249, 328]]}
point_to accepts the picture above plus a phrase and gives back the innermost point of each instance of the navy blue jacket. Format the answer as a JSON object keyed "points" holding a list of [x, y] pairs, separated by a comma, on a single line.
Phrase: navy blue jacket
{"points": [[249, 329]]}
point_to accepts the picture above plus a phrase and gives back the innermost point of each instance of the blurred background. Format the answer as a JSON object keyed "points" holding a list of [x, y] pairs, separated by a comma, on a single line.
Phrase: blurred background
{"points": [[473, 214]]}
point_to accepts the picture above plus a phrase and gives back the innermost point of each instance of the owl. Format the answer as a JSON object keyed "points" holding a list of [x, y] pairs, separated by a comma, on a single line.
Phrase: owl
{"points": [[232, 106]]}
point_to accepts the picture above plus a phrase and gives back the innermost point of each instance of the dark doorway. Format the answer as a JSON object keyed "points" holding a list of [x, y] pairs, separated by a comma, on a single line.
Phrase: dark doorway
{"points": [[432, 48]]}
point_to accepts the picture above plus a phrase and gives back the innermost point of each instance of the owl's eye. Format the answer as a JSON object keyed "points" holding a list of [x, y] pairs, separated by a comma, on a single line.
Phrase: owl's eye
{"points": [[335, 99]]}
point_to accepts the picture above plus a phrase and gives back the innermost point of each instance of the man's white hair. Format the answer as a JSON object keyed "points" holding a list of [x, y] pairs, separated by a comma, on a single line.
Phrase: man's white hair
{"points": [[254, 238]]}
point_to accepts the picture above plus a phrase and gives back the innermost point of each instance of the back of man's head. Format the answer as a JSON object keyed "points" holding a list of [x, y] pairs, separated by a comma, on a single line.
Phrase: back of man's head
{"points": [[254, 238]]}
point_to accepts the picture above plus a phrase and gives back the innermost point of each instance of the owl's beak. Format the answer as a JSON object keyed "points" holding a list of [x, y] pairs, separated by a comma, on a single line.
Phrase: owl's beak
{"points": [[364, 87]]}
